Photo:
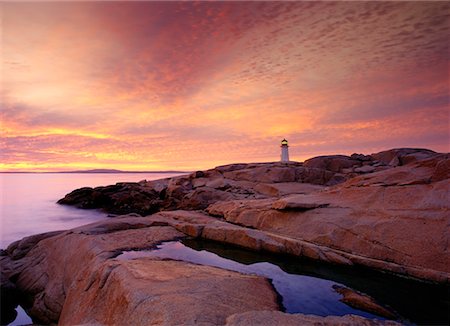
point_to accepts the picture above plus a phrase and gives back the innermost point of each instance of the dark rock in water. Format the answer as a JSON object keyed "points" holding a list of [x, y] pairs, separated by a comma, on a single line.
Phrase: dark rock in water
{"points": [[80, 198], [120, 198], [200, 189], [363, 302], [9, 299]]}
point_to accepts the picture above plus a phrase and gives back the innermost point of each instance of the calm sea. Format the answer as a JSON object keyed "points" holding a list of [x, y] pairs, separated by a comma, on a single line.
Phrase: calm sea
{"points": [[28, 201]]}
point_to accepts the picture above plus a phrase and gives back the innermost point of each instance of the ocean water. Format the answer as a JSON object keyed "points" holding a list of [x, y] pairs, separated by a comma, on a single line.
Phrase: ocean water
{"points": [[28, 201]]}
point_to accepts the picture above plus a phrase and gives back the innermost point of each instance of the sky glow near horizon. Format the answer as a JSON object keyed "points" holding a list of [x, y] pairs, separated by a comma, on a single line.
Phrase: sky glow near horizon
{"points": [[192, 85]]}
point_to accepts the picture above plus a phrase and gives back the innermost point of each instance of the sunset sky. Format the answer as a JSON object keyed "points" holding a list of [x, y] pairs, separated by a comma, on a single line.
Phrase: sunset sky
{"points": [[192, 85]]}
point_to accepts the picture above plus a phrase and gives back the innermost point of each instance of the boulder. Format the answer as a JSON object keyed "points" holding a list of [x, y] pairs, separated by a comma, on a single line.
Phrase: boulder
{"points": [[286, 188], [202, 197], [299, 202], [361, 157], [53, 265], [120, 198], [231, 167], [333, 163], [365, 169], [441, 170], [402, 156], [154, 292], [263, 174], [218, 183], [178, 187], [315, 176], [20, 248]]}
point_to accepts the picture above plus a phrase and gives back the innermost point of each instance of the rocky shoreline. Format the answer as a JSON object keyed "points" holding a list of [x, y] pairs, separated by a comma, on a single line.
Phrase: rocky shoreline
{"points": [[386, 211]]}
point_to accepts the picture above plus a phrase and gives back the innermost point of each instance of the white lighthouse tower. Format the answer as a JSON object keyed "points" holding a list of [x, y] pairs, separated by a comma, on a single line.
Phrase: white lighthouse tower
{"points": [[284, 151]]}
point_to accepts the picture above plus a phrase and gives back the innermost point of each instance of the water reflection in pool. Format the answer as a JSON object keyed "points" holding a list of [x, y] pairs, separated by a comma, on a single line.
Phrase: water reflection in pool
{"points": [[300, 293], [306, 286]]}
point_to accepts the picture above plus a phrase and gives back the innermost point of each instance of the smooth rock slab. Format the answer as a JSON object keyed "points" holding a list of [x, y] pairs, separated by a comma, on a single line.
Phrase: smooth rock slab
{"points": [[154, 292], [50, 268], [299, 202]]}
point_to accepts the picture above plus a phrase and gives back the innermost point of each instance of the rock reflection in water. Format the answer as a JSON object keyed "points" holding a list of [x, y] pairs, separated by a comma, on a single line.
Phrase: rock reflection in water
{"points": [[300, 293], [419, 302]]}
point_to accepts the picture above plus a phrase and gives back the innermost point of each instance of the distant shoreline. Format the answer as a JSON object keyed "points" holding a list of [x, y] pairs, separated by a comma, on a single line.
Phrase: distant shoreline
{"points": [[92, 172]]}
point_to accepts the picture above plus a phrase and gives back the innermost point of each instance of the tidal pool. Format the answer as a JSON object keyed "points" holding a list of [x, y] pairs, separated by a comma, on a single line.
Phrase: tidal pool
{"points": [[306, 286]]}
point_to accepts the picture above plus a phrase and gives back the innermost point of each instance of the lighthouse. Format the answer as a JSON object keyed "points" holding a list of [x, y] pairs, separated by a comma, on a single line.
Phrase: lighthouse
{"points": [[284, 151]]}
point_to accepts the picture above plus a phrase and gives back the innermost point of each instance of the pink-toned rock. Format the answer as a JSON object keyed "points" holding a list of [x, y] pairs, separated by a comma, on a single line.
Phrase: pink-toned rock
{"points": [[153, 292], [286, 188], [72, 277], [202, 197], [299, 202], [199, 182], [231, 167], [398, 216], [441, 170], [51, 267], [276, 318], [334, 163], [402, 156], [316, 176], [263, 174], [367, 219], [218, 183], [394, 220], [255, 239]]}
